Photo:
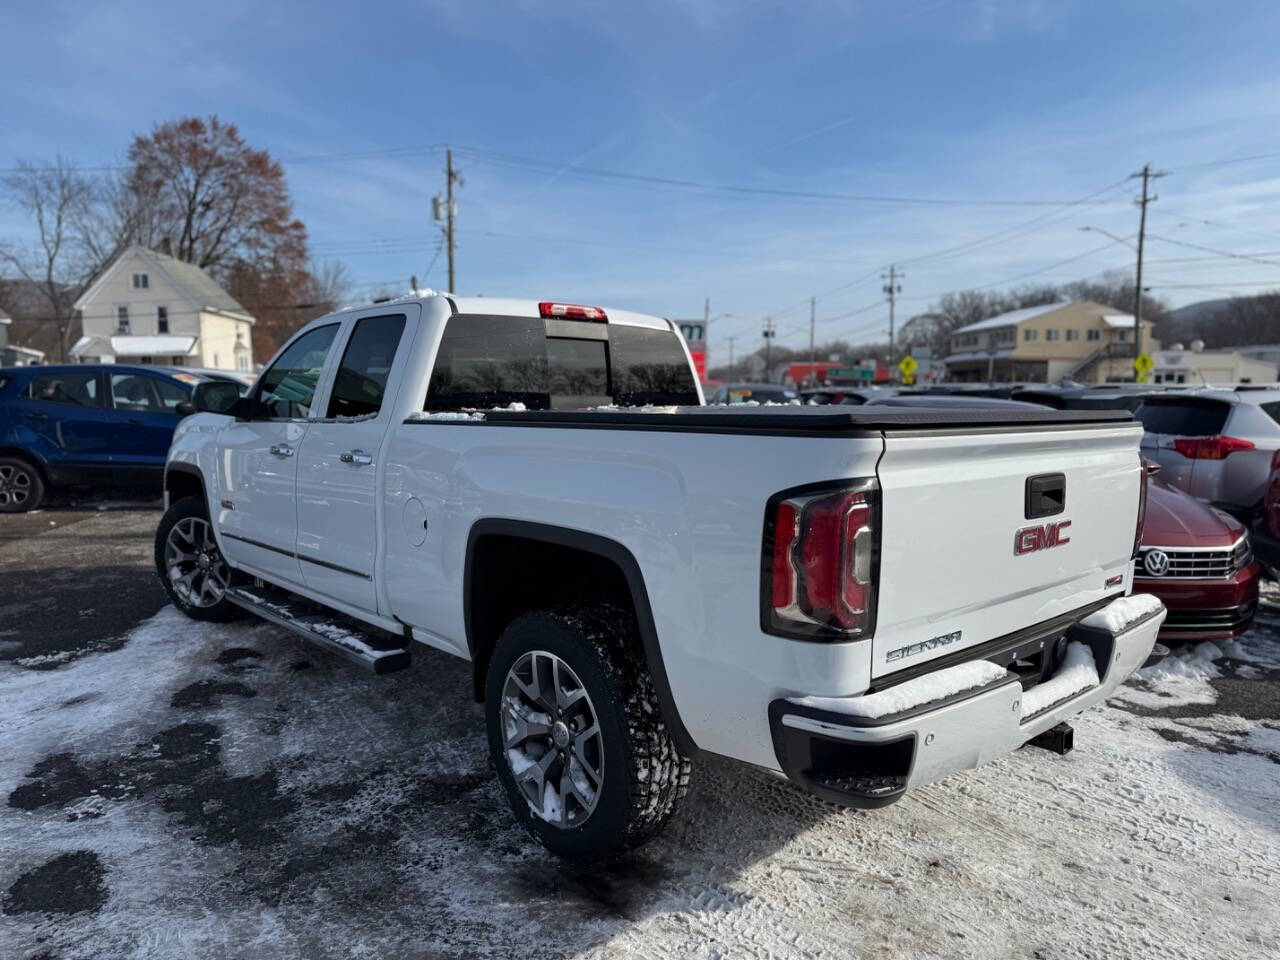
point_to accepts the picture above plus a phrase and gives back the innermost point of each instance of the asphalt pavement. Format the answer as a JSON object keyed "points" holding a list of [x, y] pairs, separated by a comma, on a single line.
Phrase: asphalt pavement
{"points": [[174, 789]]}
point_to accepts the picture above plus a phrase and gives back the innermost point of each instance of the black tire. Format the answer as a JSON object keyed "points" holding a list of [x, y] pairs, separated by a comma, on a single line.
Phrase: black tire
{"points": [[217, 608], [644, 775], [21, 485]]}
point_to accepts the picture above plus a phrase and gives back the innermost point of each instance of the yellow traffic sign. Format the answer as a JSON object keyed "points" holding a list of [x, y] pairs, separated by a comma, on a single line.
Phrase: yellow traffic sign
{"points": [[908, 379], [908, 366], [1143, 363]]}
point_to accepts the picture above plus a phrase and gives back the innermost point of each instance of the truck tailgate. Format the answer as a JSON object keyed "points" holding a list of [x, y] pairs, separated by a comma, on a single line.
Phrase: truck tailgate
{"points": [[958, 564]]}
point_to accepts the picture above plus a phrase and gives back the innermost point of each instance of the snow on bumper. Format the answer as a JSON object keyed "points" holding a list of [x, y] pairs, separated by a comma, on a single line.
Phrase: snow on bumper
{"points": [[852, 751]]}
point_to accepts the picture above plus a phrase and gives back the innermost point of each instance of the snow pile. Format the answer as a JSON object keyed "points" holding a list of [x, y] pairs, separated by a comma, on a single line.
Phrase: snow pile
{"points": [[1119, 614], [1076, 673], [420, 415], [912, 693]]}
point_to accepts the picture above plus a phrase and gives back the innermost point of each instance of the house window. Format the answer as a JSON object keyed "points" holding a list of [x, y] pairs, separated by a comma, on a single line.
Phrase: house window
{"points": [[1093, 335], [1028, 334], [122, 319], [162, 319], [140, 281], [1123, 336], [1073, 334], [1051, 334]]}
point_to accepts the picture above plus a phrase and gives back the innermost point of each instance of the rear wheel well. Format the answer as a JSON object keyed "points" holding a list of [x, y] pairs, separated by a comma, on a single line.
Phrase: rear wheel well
{"points": [[20, 454], [508, 575], [180, 484]]}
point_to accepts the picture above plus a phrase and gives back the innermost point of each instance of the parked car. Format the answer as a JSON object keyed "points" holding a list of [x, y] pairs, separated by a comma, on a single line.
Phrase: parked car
{"points": [[1214, 444], [732, 393], [849, 396], [1265, 533], [1083, 398], [825, 591], [90, 425], [1198, 561], [242, 379]]}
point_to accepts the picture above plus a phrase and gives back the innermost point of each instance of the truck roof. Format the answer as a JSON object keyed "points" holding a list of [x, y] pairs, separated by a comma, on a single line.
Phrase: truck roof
{"points": [[512, 307]]}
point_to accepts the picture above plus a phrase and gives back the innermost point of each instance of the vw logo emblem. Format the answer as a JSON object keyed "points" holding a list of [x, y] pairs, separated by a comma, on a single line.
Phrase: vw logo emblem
{"points": [[1156, 562]]}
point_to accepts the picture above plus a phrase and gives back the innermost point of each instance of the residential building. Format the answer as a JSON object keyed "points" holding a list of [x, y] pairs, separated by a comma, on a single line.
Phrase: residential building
{"points": [[1083, 341], [148, 307], [12, 355]]}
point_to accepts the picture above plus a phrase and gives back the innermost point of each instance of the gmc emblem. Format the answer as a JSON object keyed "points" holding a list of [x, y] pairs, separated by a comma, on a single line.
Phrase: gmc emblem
{"points": [[1031, 539]]}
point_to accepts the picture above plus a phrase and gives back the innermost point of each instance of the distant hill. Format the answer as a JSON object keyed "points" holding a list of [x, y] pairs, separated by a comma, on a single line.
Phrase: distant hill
{"points": [[1199, 311]]}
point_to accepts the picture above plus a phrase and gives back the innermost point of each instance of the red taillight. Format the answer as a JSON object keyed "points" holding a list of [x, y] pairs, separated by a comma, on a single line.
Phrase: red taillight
{"points": [[820, 557], [1210, 448], [784, 574], [572, 311]]}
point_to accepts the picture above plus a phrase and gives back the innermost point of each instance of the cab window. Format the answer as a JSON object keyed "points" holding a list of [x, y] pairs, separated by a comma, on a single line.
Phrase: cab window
{"points": [[361, 383], [289, 385]]}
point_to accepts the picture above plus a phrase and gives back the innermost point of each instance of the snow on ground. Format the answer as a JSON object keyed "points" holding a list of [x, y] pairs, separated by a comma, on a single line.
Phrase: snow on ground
{"points": [[225, 790]]}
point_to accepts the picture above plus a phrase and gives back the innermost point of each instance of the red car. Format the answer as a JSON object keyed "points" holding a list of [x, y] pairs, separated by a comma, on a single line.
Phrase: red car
{"points": [[1199, 561]]}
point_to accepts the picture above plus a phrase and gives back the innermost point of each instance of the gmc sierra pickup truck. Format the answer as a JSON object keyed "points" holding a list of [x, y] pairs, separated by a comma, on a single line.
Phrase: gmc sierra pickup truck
{"points": [[864, 599]]}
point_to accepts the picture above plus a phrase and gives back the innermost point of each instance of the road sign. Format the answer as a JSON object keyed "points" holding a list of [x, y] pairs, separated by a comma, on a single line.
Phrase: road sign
{"points": [[1142, 365], [850, 373], [908, 379], [907, 366]]}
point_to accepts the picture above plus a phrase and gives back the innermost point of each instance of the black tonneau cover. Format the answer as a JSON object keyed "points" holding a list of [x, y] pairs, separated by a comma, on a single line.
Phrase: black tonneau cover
{"points": [[797, 420]]}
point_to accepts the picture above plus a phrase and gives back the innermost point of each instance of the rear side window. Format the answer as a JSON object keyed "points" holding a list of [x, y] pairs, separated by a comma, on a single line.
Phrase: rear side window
{"points": [[1185, 416], [289, 385], [649, 366], [361, 383], [74, 389], [496, 361], [1272, 410]]}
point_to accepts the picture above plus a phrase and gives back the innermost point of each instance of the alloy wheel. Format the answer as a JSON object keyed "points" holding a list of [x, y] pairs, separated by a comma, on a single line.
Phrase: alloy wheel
{"points": [[551, 733], [15, 485], [197, 572]]}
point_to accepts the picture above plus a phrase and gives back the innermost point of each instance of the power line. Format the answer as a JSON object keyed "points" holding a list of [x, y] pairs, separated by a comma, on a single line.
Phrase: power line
{"points": [[680, 183], [1220, 253]]}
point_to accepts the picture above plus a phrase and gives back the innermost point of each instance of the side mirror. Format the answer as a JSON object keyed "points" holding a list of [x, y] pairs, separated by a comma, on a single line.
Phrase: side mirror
{"points": [[211, 396]]}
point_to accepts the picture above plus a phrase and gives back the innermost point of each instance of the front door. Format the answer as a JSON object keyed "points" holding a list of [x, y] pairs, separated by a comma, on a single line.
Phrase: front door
{"points": [[142, 425], [258, 461], [339, 462]]}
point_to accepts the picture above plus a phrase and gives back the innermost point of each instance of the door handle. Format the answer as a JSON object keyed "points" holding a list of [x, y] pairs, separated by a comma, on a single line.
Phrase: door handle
{"points": [[35, 415], [281, 450], [358, 457]]}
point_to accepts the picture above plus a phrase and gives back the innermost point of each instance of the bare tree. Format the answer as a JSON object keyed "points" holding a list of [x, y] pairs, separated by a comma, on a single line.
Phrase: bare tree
{"points": [[56, 198], [328, 285]]}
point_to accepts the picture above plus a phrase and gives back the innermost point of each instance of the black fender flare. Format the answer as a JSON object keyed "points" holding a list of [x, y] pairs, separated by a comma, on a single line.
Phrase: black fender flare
{"points": [[620, 556]]}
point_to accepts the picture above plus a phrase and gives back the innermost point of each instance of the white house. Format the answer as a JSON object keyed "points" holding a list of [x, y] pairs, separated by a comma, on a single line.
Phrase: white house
{"points": [[12, 355], [148, 307]]}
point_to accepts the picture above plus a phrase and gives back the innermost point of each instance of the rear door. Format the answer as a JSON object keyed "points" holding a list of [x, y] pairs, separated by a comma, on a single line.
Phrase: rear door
{"points": [[1168, 419], [970, 553], [60, 416], [339, 460]]}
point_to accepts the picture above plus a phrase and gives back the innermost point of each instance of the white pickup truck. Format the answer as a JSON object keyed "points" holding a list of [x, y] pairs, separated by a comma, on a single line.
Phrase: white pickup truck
{"points": [[865, 599]]}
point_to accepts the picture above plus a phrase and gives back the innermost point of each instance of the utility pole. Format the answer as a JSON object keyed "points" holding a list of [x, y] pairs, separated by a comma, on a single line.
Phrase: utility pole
{"points": [[451, 176], [731, 339], [1147, 175], [769, 334], [706, 315], [892, 288], [813, 360]]}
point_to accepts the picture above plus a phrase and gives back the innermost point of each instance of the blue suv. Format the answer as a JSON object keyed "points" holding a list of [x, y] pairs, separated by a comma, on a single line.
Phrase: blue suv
{"points": [[85, 425]]}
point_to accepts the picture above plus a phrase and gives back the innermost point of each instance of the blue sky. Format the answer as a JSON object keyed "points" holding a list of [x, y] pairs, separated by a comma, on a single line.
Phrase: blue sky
{"points": [[956, 101]]}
